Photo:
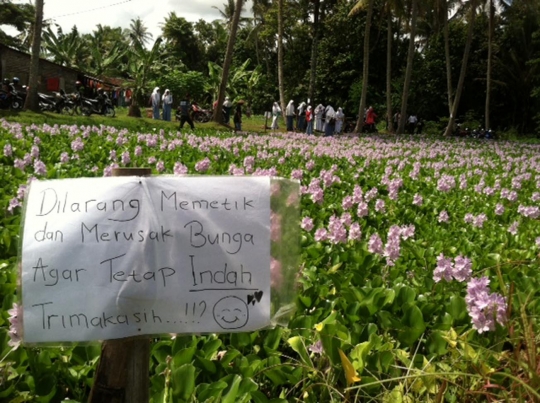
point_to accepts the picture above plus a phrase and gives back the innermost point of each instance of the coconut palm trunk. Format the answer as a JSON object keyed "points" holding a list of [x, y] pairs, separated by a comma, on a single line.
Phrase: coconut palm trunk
{"points": [[408, 71], [447, 56], [365, 70], [463, 70], [281, 84], [314, 45], [389, 112], [31, 98], [491, 12], [218, 116]]}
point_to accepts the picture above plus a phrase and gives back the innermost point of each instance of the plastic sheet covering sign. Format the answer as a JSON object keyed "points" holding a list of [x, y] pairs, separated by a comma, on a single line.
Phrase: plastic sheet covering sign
{"points": [[106, 258]]}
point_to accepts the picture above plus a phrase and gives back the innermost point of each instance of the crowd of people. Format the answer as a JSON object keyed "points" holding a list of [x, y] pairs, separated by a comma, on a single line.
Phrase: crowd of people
{"points": [[305, 119]]}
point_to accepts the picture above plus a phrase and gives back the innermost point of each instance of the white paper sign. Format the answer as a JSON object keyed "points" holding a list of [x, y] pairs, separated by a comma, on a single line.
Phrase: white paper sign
{"points": [[106, 258]]}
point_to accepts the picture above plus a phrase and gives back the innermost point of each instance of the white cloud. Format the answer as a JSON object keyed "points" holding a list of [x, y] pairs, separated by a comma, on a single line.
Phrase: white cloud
{"points": [[119, 13]]}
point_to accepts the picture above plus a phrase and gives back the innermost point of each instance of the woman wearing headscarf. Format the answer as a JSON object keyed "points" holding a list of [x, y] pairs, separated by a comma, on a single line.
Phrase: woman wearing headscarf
{"points": [[330, 121], [155, 98], [167, 105], [227, 107], [340, 117], [319, 110], [301, 117], [309, 120], [276, 111], [289, 114]]}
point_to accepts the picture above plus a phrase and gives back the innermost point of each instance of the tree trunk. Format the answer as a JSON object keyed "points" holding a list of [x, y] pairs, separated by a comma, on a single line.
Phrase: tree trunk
{"points": [[463, 71], [389, 72], [490, 56], [281, 84], [31, 97], [365, 70], [447, 57], [408, 71], [218, 116], [314, 44]]}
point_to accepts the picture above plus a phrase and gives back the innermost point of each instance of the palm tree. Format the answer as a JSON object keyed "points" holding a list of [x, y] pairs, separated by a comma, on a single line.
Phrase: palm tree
{"points": [[229, 10], [63, 49], [31, 98], [408, 72], [470, 26], [139, 68], [228, 60], [365, 68], [139, 32], [314, 53], [281, 81]]}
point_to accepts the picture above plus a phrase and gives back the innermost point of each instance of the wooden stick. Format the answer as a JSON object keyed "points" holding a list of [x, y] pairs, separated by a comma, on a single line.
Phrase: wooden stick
{"points": [[122, 375]]}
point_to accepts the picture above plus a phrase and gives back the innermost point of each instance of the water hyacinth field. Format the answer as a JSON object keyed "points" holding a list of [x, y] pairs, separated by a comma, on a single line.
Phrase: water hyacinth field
{"points": [[419, 277]]}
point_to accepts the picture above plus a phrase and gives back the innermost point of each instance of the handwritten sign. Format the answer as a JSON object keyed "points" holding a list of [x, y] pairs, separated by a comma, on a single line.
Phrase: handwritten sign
{"points": [[106, 258]]}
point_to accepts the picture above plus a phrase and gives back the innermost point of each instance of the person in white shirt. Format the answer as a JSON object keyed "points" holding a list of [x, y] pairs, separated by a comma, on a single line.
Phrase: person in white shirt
{"points": [[289, 114]]}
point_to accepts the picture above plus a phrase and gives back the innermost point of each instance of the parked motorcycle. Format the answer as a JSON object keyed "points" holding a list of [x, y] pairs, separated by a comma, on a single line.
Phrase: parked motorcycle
{"points": [[57, 102], [198, 114], [93, 106]]}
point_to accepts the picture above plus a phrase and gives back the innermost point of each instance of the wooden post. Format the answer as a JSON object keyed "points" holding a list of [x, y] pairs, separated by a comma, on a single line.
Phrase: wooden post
{"points": [[122, 375]]}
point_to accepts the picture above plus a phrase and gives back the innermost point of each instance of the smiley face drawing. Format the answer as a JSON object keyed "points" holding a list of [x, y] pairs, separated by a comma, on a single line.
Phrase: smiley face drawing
{"points": [[231, 313]]}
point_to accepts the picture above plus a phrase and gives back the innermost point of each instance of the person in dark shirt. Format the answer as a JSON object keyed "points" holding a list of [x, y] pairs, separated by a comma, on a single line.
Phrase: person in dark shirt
{"points": [[185, 112], [238, 118]]}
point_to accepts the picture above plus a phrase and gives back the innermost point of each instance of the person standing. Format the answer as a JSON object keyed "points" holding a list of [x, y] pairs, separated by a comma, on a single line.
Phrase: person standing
{"points": [[185, 112], [319, 111], [300, 124], [155, 99], [276, 111], [167, 105], [330, 126], [227, 107], [237, 118], [370, 119], [289, 114], [309, 120], [340, 117]]}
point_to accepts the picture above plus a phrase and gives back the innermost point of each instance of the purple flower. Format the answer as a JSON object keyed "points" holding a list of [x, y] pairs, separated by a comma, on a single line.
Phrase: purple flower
{"points": [[485, 309], [347, 202], [443, 270], [443, 216], [13, 204], [297, 174], [321, 234], [64, 158], [479, 220], [126, 159], [513, 228], [462, 269], [15, 328], [363, 210], [316, 348], [77, 144], [355, 232], [499, 209], [307, 224], [202, 166], [418, 200], [375, 244], [407, 231], [8, 150], [152, 160], [180, 169], [160, 166], [380, 206], [40, 168], [138, 151]]}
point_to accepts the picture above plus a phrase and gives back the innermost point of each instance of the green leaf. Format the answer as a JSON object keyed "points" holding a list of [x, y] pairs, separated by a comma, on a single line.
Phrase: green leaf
{"points": [[230, 395], [183, 381], [298, 345]]}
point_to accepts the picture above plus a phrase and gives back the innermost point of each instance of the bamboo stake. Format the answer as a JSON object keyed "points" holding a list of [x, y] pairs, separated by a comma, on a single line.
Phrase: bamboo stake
{"points": [[122, 375]]}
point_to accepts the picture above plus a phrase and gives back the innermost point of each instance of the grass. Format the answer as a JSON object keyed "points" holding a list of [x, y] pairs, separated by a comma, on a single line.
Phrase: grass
{"points": [[253, 124]]}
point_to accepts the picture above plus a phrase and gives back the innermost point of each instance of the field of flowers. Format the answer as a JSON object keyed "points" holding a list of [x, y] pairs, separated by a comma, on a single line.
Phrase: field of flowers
{"points": [[419, 277]]}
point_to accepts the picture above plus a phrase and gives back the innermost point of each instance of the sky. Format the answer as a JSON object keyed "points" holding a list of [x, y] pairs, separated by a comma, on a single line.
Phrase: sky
{"points": [[87, 14]]}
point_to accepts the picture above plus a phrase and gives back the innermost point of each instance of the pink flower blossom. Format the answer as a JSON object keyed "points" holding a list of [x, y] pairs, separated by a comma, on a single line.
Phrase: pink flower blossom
{"points": [[307, 224], [443, 216], [321, 235], [418, 200]]}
